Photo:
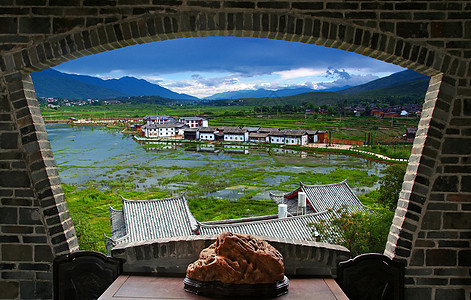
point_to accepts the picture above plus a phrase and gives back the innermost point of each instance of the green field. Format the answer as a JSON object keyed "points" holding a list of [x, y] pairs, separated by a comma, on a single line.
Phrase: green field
{"points": [[342, 127]]}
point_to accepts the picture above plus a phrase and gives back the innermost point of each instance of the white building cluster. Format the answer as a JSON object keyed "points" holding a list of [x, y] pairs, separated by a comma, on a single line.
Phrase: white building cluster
{"points": [[196, 128]]}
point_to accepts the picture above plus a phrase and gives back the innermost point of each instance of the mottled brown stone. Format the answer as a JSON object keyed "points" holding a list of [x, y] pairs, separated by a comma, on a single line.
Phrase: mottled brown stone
{"points": [[238, 259]]}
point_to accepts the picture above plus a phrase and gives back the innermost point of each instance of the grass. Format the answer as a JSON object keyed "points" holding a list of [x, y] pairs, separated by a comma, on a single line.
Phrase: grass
{"points": [[393, 151]]}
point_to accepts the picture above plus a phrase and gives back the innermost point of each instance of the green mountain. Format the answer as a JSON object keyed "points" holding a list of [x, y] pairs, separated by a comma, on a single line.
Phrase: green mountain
{"points": [[52, 83]]}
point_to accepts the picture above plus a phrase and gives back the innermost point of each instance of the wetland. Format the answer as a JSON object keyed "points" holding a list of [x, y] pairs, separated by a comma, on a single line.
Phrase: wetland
{"points": [[97, 164]]}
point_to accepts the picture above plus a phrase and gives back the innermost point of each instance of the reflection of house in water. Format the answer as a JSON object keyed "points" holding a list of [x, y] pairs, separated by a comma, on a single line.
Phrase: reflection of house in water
{"points": [[236, 149], [155, 219], [206, 147]]}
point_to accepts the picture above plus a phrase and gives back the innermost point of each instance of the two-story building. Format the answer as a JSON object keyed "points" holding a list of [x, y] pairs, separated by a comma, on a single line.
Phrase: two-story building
{"points": [[194, 122], [163, 130]]}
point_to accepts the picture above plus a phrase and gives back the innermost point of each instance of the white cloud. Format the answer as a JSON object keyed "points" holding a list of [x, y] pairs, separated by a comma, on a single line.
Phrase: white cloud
{"points": [[299, 73], [352, 80]]}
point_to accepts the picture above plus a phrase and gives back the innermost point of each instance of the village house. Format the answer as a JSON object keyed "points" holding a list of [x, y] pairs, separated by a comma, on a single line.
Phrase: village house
{"points": [[259, 137], [159, 119], [207, 133], [191, 134], [163, 130], [296, 137], [410, 134], [194, 122], [277, 137], [235, 134], [319, 198], [312, 136]]}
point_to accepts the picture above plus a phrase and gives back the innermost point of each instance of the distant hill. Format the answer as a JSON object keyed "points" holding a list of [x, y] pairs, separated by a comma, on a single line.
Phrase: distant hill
{"points": [[406, 86], [412, 89], [398, 78], [260, 93], [52, 83]]}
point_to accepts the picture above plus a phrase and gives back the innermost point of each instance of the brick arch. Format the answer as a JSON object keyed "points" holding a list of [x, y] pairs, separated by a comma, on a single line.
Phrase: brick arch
{"points": [[289, 27], [276, 26], [427, 183]]}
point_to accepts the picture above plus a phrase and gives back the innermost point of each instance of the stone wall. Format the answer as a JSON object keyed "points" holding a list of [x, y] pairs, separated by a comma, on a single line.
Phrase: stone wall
{"points": [[431, 229], [172, 256]]}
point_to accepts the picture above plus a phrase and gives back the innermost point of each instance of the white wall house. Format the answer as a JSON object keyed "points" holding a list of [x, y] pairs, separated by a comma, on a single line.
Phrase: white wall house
{"points": [[159, 130], [296, 137], [277, 138], [194, 122], [259, 137], [236, 135], [207, 134]]}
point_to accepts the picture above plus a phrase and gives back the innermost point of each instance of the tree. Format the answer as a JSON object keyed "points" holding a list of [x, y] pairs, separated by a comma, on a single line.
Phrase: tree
{"points": [[360, 232], [391, 185]]}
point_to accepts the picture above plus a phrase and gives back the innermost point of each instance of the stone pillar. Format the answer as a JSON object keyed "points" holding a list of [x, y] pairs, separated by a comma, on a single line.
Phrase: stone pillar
{"points": [[431, 229], [35, 225]]}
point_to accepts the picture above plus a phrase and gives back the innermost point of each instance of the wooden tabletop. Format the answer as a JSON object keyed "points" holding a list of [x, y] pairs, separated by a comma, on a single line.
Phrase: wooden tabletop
{"points": [[146, 287]]}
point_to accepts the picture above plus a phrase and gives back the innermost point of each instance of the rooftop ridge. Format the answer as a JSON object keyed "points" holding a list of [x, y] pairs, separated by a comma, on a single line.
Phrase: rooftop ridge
{"points": [[306, 216], [155, 200], [327, 184]]}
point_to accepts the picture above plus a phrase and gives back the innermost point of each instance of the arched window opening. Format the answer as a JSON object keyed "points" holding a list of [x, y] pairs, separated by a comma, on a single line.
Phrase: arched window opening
{"points": [[306, 125]]}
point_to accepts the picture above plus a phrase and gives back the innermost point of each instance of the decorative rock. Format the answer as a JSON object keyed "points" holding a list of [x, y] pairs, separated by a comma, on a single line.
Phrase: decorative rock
{"points": [[238, 259]]}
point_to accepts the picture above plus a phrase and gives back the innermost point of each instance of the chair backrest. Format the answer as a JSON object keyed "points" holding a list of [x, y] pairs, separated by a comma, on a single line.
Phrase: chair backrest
{"points": [[371, 276], [84, 275]]}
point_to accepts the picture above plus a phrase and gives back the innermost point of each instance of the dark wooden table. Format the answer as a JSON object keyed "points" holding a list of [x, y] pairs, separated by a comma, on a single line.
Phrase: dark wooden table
{"points": [[146, 287]]}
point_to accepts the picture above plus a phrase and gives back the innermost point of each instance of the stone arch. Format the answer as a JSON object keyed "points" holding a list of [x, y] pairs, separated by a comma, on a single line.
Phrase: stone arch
{"points": [[426, 182]]}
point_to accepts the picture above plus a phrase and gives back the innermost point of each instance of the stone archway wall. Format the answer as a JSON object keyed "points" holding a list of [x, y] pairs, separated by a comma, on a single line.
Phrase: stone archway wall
{"points": [[431, 229]]}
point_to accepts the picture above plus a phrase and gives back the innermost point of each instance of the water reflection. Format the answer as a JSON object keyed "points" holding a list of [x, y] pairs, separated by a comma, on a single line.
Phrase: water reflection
{"points": [[105, 157]]}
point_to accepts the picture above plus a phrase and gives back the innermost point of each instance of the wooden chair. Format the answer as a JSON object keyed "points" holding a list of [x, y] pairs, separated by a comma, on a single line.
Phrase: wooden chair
{"points": [[371, 276], [84, 275]]}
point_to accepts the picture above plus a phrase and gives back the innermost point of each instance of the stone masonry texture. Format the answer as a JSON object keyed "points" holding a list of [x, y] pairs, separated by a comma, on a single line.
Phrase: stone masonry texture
{"points": [[431, 229]]}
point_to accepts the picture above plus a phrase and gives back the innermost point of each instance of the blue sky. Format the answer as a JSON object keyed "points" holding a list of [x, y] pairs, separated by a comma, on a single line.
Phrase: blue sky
{"points": [[204, 66]]}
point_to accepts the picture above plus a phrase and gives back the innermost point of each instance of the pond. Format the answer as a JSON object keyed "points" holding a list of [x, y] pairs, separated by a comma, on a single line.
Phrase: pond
{"points": [[108, 159]]}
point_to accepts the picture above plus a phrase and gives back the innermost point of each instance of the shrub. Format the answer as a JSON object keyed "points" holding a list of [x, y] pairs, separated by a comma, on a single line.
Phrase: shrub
{"points": [[360, 232], [391, 185]]}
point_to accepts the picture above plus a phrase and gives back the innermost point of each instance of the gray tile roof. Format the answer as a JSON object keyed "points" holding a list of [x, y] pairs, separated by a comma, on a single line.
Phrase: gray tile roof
{"points": [[295, 132], [323, 197], [161, 218], [152, 219], [296, 227]]}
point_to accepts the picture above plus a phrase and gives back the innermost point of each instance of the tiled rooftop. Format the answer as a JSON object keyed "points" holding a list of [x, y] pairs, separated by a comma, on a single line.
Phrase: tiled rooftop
{"points": [[323, 197], [152, 219], [296, 228]]}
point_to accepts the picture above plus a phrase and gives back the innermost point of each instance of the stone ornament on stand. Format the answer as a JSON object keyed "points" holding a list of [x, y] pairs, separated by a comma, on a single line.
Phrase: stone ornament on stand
{"points": [[237, 265]]}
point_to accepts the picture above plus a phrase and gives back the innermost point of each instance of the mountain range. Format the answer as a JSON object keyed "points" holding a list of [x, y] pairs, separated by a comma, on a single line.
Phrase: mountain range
{"points": [[52, 83]]}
